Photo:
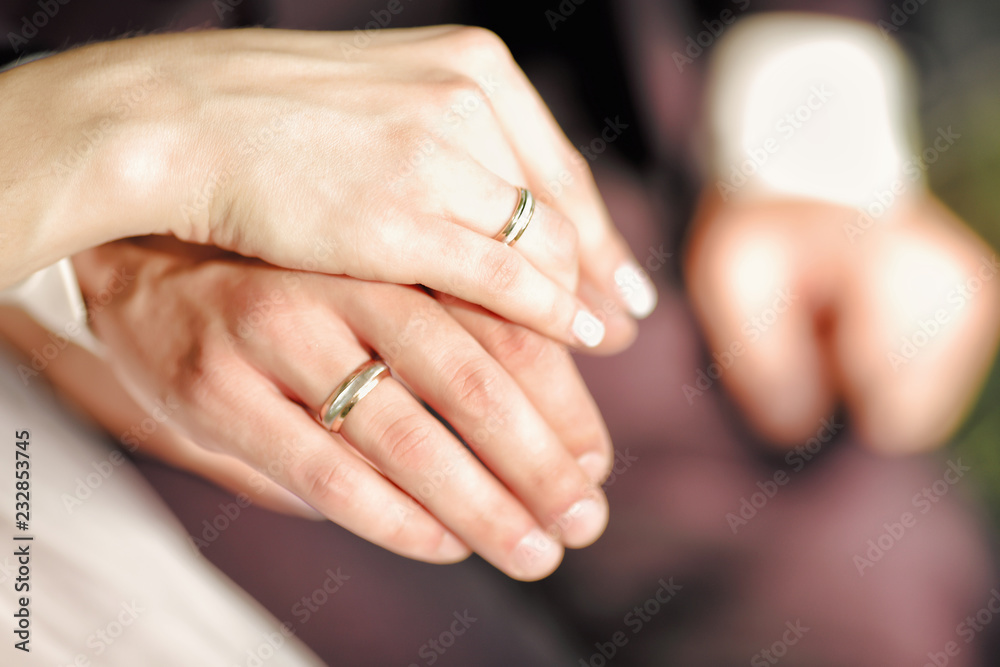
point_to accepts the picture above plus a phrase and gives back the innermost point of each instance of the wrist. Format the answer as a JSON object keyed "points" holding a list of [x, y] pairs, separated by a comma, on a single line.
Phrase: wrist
{"points": [[88, 156]]}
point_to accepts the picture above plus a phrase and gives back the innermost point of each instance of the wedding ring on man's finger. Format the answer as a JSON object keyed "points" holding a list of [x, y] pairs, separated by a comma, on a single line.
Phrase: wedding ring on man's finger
{"points": [[356, 386], [519, 220]]}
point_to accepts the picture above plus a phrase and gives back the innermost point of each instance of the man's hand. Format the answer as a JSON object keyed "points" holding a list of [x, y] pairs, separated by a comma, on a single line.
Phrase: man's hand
{"points": [[249, 352]]}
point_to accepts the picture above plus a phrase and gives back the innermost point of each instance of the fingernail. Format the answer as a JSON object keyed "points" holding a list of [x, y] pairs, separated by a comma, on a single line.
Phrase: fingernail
{"points": [[595, 465], [536, 556], [588, 329], [451, 549], [636, 289], [583, 522]]}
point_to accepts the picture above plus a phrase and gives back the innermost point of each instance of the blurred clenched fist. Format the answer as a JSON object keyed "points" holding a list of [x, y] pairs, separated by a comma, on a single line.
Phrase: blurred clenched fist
{"points": [[821, 266]]}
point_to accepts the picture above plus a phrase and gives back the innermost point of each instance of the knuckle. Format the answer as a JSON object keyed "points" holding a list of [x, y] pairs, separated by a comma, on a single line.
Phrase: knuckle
{"points": [[561, 310], [579, 169], [406, 442], [325, 483], [198, 375], [551, 474], [475, 387], [472, 43], [418, 138], [564, 243], [501, 270], [486, 520], [519, 348], [292, 323], [457, 91], [418, 538], [448, 102]]}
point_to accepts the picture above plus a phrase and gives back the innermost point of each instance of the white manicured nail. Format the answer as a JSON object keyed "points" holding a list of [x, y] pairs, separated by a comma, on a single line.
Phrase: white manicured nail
{"points": [[588, 329], [636, 289]]}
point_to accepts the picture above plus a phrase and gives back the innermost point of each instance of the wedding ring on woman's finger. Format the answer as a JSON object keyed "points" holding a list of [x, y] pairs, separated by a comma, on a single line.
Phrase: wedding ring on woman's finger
{"points": [[520, 220], [356, 386]]}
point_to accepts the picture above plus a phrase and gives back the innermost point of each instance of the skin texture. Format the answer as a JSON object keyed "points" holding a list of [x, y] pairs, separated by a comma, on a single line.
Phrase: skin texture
{"points": [[398, 162], [898, 320], [248, 352], [88, 382]]}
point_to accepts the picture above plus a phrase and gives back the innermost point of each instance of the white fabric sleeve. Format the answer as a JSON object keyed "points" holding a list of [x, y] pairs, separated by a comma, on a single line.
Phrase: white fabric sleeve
{"points": [[813, 107], [52, 297]]}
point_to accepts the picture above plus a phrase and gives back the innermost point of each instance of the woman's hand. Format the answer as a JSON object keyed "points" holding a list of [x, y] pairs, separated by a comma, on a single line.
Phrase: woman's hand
{"points": [[397, 162], [249, 352]]}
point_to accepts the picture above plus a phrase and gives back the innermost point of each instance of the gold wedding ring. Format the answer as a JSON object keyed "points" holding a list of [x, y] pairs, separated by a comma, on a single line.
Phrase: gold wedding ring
{"points": [[520, 220], [357, 385]]}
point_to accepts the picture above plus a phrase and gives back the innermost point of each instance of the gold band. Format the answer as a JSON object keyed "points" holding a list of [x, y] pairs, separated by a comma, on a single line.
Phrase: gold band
{"points": [[519, 221], [353, 389]]}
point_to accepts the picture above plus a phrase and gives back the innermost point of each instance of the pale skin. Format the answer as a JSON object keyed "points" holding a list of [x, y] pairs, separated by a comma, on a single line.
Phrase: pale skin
{"points": [[248, 351], [399, 163], [899, 320], [334, 187], [239, 352]]}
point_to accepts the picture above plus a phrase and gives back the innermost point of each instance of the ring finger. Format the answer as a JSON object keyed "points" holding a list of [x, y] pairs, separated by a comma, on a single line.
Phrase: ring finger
{"points": [[414, 450]]}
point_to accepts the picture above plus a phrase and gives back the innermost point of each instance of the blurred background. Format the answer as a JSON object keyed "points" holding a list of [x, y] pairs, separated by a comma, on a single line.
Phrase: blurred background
{"points": [[683, 466]]}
